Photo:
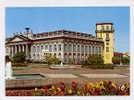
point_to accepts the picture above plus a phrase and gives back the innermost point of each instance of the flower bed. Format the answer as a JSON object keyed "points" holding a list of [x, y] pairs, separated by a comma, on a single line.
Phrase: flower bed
{"points": [[101, 88]]}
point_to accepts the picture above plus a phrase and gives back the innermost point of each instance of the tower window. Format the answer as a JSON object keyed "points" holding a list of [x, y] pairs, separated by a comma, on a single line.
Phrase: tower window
{"points": [[107, 36], [107, 27], [107, 43], [102, 27], [107, 49]]}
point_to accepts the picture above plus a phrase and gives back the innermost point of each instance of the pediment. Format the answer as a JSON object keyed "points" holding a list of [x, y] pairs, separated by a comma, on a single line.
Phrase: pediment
{"points": [[17, 39]]}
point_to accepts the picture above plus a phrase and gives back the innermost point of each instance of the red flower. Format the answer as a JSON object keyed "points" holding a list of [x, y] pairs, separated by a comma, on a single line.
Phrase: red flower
{"points": [[62, 83], [45, 87], [62, 88], [74, 84]]}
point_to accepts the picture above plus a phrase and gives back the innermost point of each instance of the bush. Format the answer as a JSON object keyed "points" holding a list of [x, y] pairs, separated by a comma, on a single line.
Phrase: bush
{"points": [[52, 60], [116, 60], [94, 60], [39, 62], [101, 66], [104, 67], [125, 60], [19, 57]]}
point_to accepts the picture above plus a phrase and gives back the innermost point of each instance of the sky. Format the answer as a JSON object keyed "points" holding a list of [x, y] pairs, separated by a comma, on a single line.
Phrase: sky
{"points": [[81, 19]]}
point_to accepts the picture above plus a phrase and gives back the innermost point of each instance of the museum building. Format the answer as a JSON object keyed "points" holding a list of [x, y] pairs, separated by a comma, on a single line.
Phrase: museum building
{"points": [[68, 46]]}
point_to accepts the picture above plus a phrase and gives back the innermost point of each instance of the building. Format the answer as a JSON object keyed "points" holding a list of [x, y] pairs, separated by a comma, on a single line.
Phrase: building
{"points": [[121, 54], [68, 46], [105, 31]]}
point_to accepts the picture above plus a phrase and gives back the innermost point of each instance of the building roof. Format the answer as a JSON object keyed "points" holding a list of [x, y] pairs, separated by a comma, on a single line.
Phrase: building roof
{"points": [[62, 31], [43, 36], [103, 23]]}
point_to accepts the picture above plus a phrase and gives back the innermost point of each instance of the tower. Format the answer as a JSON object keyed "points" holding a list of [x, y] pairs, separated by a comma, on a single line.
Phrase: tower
{"points": [[28, 33], [106, 32]]}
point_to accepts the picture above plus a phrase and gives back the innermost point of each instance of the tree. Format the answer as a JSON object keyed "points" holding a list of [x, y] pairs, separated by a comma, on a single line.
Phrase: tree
{"points": [[94, 60], [19, 57], [116, 60], [125, 60], [51, 60]]}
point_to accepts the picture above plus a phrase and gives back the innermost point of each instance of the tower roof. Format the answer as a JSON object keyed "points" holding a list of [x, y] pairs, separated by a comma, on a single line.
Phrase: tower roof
{"points": [[104, 23]]}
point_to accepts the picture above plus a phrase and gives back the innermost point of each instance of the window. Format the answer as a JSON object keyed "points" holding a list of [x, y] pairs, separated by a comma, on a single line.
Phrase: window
{"points": [[50, 48], [89, 49], [70, 47], [82, 48], [54, 54], [99, 50], [74, 48], [34, 49], [59, 47], [107, 36], [107, 43], [65, 47], [86, 49], [92, 49], [102, 27], [55, 47], [107, 28], [78, 48], [41, 47], [96, 51], [38, 48], [46, 47], [107, 49]]}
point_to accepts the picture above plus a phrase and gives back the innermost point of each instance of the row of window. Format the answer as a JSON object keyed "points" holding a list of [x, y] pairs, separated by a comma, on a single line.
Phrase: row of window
{"points": [[47, 47], [68, 48], [77, 48], [106, 27], [37, 56]]}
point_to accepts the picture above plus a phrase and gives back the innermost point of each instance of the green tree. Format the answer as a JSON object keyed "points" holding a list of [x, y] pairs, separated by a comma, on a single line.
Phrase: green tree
{"points": [[116, 60], [19, 57], [125, 60], [94, 60], [51, 60]]}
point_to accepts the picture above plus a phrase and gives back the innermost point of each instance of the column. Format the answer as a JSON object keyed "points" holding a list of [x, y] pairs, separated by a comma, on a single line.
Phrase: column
{"points": [[80, 52], [15, 49], [19, 48], [26, 50], [23, 48], [12, 51], [101, 51], [62, 52], [9, 51], [31, 53], [91, 50]]}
